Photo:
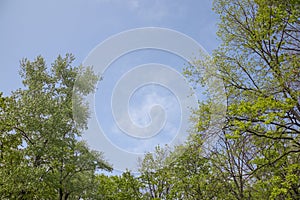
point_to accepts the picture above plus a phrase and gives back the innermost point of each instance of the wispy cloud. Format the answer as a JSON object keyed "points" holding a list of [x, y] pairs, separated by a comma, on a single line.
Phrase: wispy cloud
{"points": [[139, 111], [141, 108], [134, 4], [154, 10]]}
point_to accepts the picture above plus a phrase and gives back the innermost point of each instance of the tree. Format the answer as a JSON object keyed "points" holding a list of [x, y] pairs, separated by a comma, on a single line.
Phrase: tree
{"points": [[258, 64], [155, 174], [121, 187], [193, 174], [43, 156]]}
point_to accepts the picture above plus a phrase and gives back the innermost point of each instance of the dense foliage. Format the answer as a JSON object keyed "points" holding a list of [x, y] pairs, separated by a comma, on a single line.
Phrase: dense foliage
{"points": [[41, 156], [257, 151]]}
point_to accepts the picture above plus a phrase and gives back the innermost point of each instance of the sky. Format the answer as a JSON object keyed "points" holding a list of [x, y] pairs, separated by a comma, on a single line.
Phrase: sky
{"points": [[51, 28]]}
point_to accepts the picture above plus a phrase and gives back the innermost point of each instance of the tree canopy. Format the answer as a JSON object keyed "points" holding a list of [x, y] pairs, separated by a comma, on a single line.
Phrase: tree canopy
{"points": [[257, 151], [41, 156]]}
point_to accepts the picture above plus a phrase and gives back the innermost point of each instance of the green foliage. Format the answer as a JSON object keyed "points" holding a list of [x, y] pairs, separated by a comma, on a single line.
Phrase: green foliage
{"points": [[41, 156], [255, 154], [258, 149], [155, 175], [121, 187]]}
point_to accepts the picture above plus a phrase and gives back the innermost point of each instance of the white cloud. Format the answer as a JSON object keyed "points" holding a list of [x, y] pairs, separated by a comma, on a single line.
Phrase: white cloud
{"points": [[141, 108], [140, 115], [134, 4], [154, 10]]}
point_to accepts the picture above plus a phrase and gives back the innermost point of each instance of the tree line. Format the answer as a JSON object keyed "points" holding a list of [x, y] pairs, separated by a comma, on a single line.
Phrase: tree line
{"points": [[257, 151]]}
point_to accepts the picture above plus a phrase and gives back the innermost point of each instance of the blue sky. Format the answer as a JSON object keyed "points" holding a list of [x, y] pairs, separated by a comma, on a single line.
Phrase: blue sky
{"points": [[49, 28]]}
